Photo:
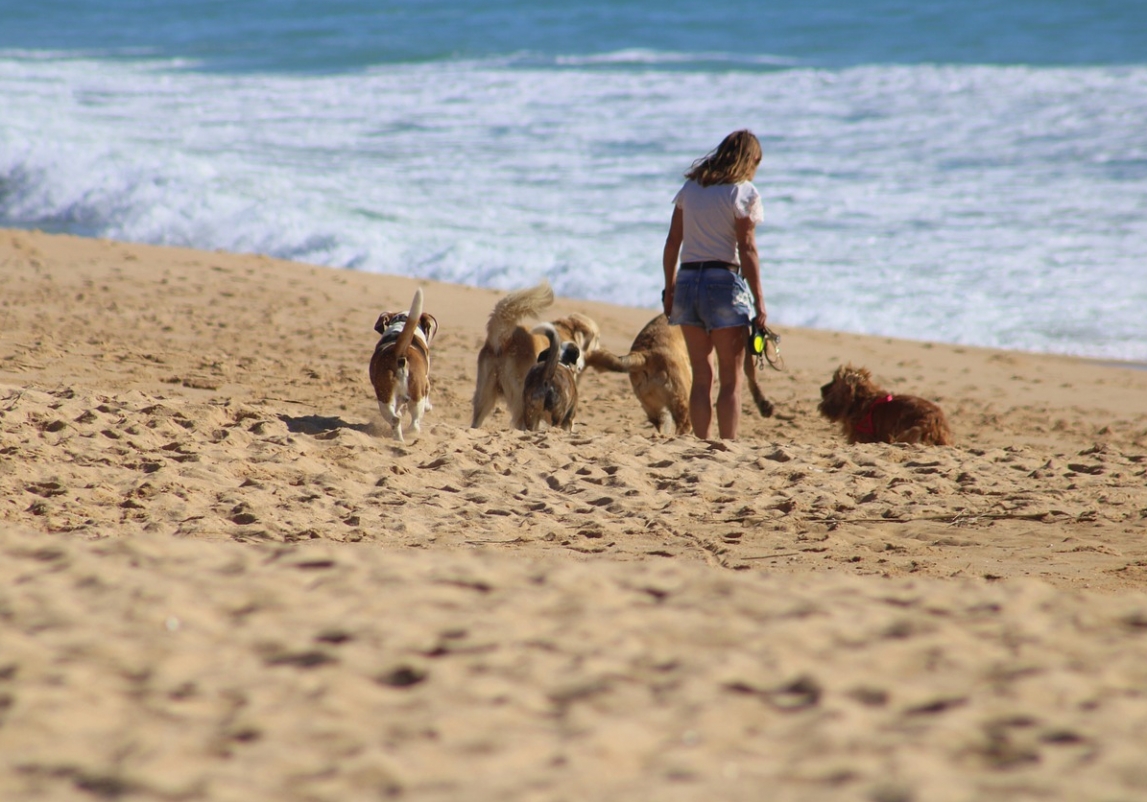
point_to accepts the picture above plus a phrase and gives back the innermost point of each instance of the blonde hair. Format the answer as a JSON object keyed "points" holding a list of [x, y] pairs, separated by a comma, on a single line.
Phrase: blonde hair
{"points": [[733, 161]]}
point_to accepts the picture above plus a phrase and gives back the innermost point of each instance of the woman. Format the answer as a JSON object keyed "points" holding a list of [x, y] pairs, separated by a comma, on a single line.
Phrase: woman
{"points": [[716, 293]]}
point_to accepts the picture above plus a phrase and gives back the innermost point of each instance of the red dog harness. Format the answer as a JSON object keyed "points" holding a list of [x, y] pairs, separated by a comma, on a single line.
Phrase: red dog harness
{"points": [[866, 426]]}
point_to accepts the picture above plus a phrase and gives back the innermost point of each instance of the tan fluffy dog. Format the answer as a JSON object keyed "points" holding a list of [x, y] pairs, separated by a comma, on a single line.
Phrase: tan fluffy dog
{"points": [[511, 350], [549, 393], [659, 370], [869, 414], [400, 367]]}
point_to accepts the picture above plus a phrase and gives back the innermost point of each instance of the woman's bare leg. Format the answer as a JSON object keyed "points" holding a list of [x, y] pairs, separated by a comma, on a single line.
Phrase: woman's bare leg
{"points": [[730, 344], [700, 347]]}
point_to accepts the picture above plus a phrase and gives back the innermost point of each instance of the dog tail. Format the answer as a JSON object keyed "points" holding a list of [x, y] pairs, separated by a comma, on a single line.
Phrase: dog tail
{"points": [[612, 363], [515, 306], [406, 336], [553, 353]]}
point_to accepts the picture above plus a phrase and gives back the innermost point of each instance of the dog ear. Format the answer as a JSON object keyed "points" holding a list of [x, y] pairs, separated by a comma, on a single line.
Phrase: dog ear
{"points": [[585, 331], [383, 322], [429, 325], [849, 375]]}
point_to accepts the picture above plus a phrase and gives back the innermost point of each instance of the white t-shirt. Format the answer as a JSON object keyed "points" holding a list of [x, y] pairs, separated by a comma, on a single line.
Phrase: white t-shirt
{"points": [[709, 216]]}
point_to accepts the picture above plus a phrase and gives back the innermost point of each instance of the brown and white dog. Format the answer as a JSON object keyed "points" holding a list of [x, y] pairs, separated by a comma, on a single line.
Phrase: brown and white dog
{"points": [[400, 367], [869, 414], [549, 392], [659, 370], [511, 350]]}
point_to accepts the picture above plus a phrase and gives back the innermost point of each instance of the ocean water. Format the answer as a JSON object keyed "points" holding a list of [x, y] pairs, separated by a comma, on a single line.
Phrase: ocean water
{"points": [[970, 172]]}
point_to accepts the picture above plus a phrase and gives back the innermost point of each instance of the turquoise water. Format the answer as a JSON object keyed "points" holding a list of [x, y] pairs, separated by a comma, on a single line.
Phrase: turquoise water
{"points": [[342, 35], [970, 172]]}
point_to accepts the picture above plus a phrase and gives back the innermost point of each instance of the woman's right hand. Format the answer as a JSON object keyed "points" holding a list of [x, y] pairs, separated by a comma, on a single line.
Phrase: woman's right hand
{"points": [[667, 300]]}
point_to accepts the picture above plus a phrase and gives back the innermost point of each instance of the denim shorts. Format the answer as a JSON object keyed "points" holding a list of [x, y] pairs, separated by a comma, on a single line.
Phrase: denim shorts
{"points": [[711, 299]]}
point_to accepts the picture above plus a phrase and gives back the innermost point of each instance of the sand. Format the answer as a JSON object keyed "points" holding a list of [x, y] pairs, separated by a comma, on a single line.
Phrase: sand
{"points": [[222, 579]]}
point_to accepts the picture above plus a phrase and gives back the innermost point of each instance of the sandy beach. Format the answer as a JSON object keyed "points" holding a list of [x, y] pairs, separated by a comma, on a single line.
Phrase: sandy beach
{"points": [[223, 579]]}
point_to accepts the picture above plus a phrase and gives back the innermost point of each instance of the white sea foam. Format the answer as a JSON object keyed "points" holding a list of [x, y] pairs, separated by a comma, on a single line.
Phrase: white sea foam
{"points": [[639, 56], [981, 205]]}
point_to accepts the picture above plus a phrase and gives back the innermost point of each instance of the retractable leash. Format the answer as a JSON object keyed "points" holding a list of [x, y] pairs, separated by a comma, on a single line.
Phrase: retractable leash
{"points": [[765, 345]]}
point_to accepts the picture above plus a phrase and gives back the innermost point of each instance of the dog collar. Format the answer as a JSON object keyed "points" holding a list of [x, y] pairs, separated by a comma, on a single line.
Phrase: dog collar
{"points": [[866, 426]]}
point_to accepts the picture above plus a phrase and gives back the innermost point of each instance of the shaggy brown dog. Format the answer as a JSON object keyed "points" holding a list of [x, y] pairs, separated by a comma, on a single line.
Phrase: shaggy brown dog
{"points": [[400, 366], [549, 393], [869, 414], [511, 350], [659, 370]]}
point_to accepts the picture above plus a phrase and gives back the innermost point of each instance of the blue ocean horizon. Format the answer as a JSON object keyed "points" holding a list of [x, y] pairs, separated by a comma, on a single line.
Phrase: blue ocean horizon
{"points": [[972, 173], [292, 36]]}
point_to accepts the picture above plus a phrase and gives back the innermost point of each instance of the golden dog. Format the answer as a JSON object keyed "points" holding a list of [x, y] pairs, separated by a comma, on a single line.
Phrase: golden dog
{"points": [[549, 393], [400, 366], [659, 370], [511, 350], [869, 414]]}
